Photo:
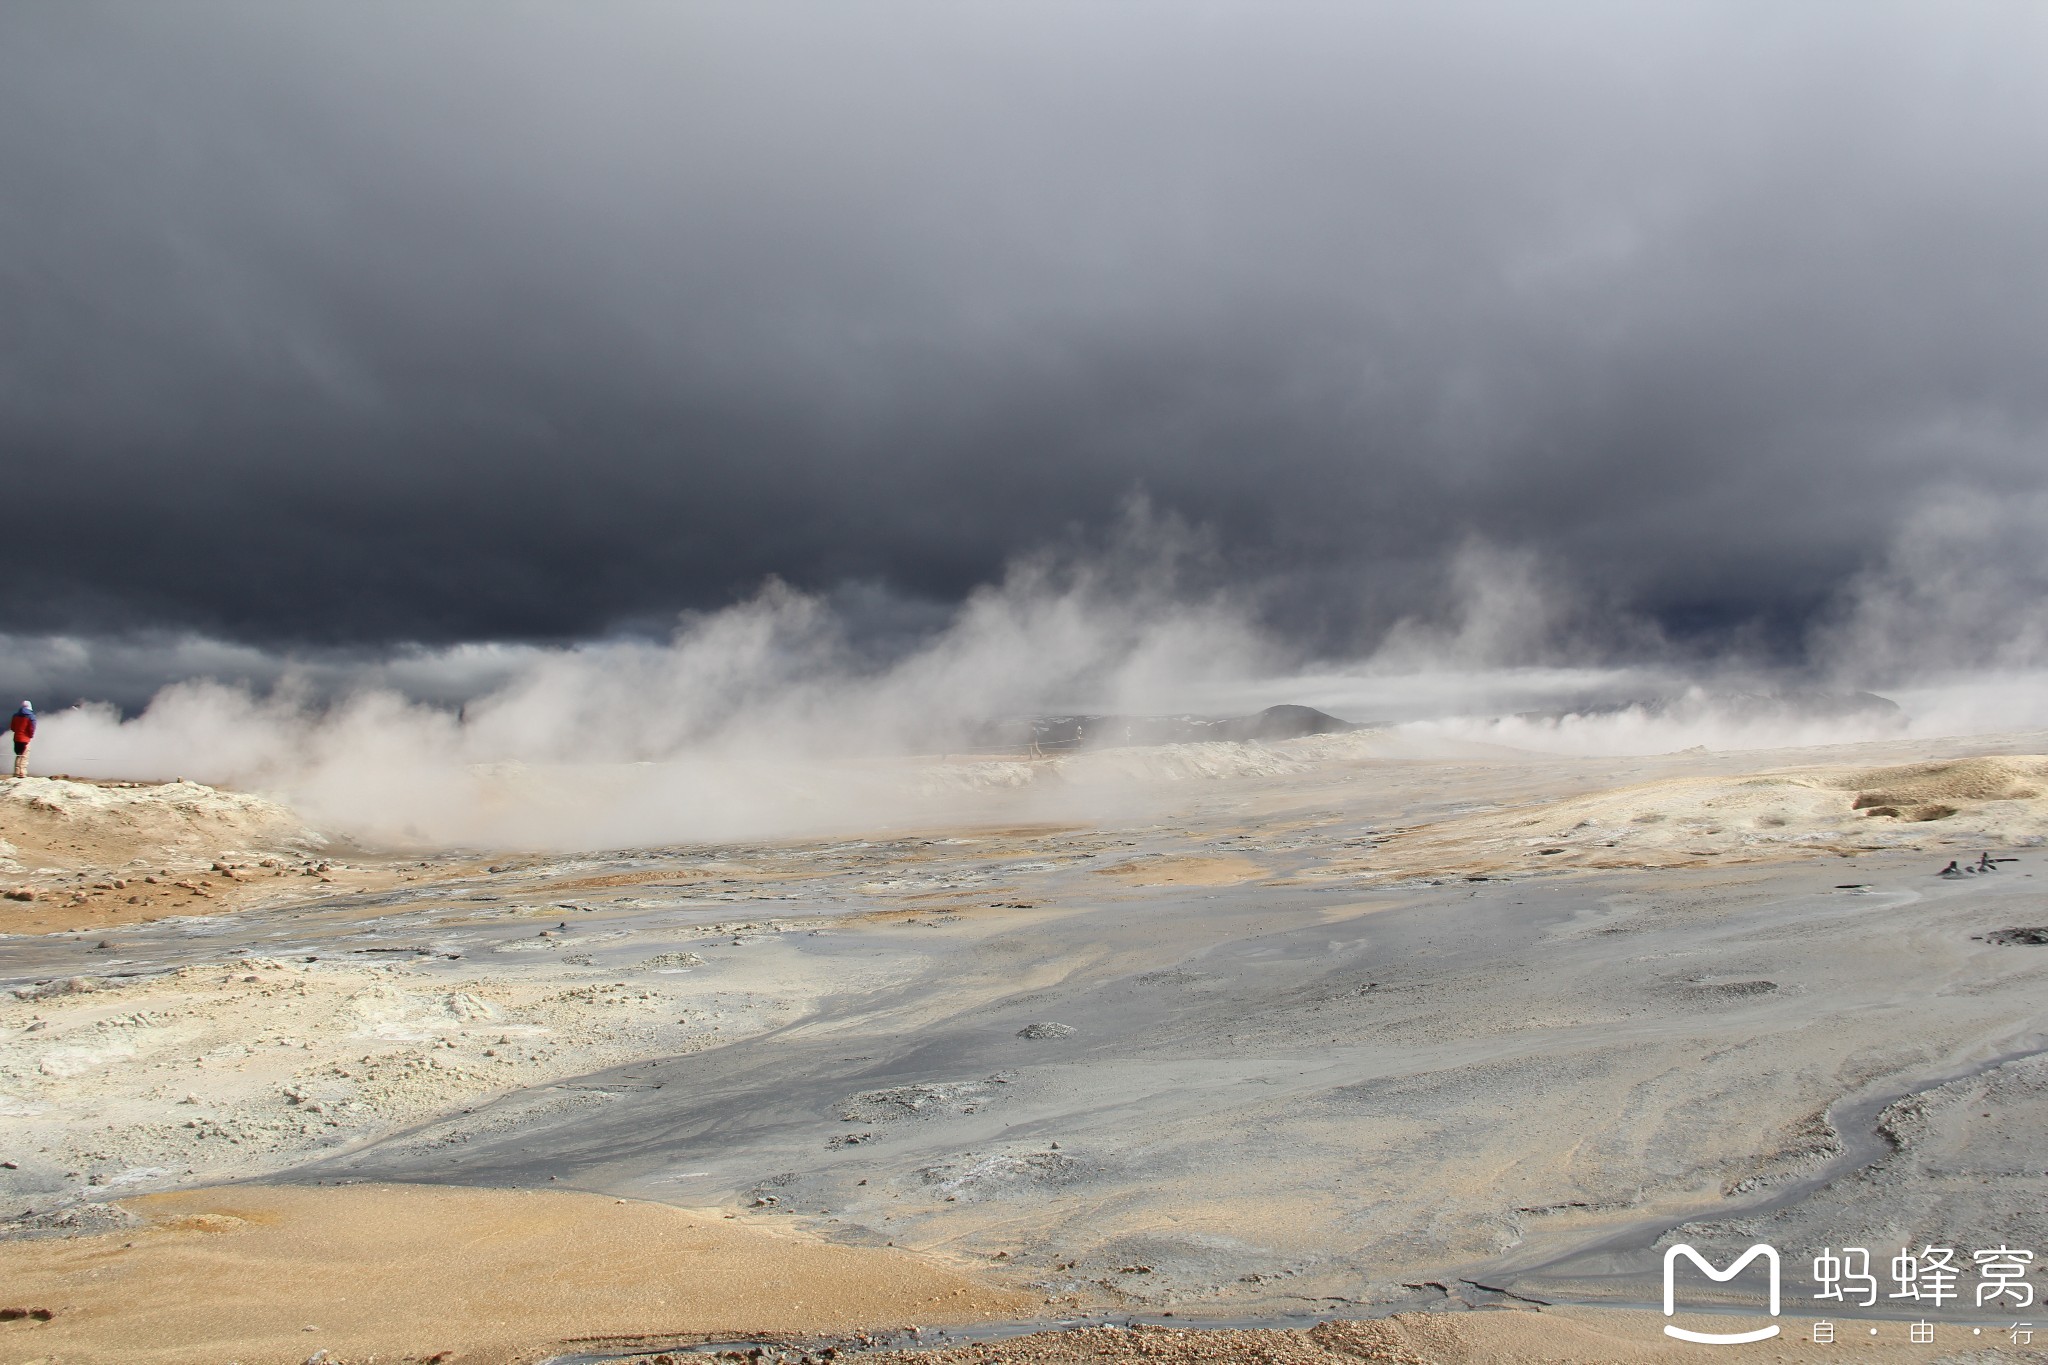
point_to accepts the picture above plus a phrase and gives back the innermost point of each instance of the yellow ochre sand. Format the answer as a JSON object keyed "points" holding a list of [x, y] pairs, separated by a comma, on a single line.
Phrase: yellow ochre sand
{"points": [[1223, 871], [241, 1273], [1552, 1336]]}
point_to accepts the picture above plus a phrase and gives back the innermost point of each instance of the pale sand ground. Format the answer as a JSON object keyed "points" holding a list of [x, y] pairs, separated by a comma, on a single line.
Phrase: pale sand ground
{"points": [[233, 1065], [1996, 801], [262, 1274], [214, 1072]]}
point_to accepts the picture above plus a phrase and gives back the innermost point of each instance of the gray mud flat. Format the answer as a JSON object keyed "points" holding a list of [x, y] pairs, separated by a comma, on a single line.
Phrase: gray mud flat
{"points": [[1284, 1097]]}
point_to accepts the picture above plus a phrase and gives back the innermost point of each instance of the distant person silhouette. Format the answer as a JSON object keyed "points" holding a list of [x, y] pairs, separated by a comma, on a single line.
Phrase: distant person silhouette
{"points": [[24, 727]]}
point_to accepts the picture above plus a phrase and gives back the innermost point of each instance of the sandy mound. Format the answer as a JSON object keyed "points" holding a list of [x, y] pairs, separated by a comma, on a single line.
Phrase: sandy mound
{"points": [[403, 1272], [66, 823], [1935, 791], [1967, 803]]}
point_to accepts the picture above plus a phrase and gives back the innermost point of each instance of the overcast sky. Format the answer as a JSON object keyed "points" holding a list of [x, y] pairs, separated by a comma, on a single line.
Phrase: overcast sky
{"points": [[352, 324]]}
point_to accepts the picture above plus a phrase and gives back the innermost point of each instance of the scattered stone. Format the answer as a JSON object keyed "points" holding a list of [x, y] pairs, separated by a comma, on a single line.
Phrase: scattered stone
{"points": [[1047, 1030], [74, 985], [1729, 990], [79, 1218], [941, 1099]]}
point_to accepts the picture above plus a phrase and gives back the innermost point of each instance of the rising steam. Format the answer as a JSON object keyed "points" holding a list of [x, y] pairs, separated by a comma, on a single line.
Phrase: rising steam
{"points": [[766, 718]]}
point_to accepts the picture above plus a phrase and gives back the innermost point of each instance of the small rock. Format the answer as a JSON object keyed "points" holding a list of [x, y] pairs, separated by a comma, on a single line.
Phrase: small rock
{"points": [[1046, 1030]]}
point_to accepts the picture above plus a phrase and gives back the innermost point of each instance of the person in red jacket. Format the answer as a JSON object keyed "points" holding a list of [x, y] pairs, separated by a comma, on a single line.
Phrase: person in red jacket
{"points": [[24, 727]]}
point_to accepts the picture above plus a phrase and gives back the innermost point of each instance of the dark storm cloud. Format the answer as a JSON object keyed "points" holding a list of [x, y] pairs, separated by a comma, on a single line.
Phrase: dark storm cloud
{"points": [[347, 324]]}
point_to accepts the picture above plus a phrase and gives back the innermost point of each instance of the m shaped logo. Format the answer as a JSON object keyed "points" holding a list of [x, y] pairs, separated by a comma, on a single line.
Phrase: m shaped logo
{"points": [[1770, 1256]]}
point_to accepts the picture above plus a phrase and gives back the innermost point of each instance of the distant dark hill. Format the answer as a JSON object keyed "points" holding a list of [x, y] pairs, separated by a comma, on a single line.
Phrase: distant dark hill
{"points": [[1282, 722], [1101, 732]]}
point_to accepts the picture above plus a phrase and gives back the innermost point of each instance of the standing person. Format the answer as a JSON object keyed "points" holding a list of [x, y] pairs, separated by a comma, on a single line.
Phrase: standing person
{"points": [[24, 727]]}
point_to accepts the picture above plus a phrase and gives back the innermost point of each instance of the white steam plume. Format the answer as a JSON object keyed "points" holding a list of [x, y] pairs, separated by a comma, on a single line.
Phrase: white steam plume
{"points": [[763, 719], [757, 719]]}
